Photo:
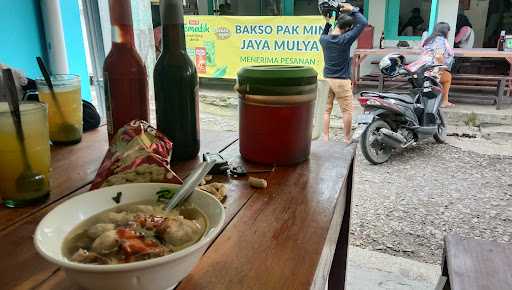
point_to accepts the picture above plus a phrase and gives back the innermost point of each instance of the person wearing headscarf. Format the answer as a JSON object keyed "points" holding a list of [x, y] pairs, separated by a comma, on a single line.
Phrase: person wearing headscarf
{"points": [[463, 32]]}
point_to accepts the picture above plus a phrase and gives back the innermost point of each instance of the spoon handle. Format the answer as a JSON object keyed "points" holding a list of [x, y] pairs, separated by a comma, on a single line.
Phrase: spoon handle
{"points": [[14, 106], [190, 183], [48, 80], [44, 71]]}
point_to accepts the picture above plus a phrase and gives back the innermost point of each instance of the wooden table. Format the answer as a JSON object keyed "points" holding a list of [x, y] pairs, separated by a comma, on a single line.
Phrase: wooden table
{"points": [[291, 235], [470, 264], [361, 54]]}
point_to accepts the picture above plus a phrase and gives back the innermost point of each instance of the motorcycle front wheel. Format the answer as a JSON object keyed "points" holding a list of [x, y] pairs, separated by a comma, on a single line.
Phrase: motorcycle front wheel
{"points": [[440, 135], [373, 150]]}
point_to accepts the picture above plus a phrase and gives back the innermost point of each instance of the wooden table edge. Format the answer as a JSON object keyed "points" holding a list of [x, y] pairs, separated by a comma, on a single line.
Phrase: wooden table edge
{"points": [[321, 280], [44, 206]]}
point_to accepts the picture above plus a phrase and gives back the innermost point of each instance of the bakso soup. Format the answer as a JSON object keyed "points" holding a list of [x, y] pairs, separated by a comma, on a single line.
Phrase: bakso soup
{"points": [[134, 232]]}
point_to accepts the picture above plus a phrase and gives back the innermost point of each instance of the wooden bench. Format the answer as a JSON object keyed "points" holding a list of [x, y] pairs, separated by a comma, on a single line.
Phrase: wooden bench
{"points": [[470, 264], [396, 83], [460, 81], [499, 82]]}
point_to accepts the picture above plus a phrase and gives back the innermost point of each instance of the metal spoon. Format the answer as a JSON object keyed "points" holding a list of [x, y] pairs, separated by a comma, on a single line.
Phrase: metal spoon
{"points": [[190, 183], [28, 182], [66, 128]]}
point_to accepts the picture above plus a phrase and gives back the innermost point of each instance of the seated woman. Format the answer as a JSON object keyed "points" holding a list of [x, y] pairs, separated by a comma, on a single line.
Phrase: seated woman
{"points": [[437, 50], [464, 34]]}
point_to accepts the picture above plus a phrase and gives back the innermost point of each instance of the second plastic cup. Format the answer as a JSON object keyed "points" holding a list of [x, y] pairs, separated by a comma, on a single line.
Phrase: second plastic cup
{"points": [[65, 109]]}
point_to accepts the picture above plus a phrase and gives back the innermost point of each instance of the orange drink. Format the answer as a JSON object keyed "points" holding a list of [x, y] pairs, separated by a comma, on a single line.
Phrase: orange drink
{"points": [[34, 118], [65, 110]]}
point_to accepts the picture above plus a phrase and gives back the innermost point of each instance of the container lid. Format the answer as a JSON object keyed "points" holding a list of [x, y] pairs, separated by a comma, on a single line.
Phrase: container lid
{"points": [[277, 75]]}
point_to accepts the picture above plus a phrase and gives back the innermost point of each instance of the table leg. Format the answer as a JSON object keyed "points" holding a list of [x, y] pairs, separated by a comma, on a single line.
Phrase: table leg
{"points": [[355, 70], [381, 83], [444, 280], [501, 93], [337, 274], [509, 92], [361, 59], [355, 65]]}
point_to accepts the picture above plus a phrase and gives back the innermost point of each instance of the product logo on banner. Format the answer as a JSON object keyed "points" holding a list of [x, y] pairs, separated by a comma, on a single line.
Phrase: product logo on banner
{"points": [[221, 45]]}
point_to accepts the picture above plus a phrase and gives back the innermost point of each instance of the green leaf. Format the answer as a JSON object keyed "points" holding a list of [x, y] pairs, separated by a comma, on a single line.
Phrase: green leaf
{"points": [[165, 193], [117, 198]]}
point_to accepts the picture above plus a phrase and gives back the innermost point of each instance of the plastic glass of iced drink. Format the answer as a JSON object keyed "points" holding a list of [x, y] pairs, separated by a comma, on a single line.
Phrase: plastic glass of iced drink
{"points": [[65, 110], [34, 118]]}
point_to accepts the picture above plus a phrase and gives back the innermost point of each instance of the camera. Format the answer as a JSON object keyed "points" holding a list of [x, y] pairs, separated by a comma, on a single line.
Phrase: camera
{"points": [[330, 7]]}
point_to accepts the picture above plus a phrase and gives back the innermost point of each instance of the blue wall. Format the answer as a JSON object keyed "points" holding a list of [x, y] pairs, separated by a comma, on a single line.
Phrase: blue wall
{"points": [[74, 43], [21, 35]]}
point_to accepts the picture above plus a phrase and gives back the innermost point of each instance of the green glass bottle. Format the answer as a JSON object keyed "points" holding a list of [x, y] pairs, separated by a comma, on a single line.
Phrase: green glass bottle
{"points": [[176, 85]]}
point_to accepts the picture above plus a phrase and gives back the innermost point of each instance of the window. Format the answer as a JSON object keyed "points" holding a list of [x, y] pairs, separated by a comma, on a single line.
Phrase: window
{"points": [[190, 7], [408, 19], [305, 7]]}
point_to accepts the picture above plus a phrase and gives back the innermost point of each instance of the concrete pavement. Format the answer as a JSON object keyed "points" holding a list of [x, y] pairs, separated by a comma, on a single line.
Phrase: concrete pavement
{"points": [[369, 270]]}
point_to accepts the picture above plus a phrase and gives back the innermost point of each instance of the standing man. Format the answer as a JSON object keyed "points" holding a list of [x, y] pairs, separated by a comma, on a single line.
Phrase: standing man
{"points": [[336, 49]]}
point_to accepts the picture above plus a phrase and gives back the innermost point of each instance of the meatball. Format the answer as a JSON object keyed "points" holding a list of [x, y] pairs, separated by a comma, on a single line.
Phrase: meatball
{"points": [[106, 243], [145, 209], [180, 231], [118, 218], [97, 230]]}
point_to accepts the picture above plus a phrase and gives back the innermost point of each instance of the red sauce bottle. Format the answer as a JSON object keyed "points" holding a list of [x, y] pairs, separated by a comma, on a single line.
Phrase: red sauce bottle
{"points": [[126, 80]]}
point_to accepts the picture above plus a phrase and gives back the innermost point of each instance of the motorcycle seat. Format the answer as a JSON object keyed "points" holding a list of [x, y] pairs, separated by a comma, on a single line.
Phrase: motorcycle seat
{"points": [[404, 98]]}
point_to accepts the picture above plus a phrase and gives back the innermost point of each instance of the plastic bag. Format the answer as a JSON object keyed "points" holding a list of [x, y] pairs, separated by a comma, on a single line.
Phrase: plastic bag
{"points": [[138, 153]]}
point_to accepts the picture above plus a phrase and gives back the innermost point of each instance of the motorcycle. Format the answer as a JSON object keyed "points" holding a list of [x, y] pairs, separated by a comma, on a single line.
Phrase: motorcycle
{"points": [[392, 122]]}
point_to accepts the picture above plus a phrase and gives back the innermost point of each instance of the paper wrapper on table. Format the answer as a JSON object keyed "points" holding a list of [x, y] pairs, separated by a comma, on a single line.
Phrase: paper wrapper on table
{"points": [[138, 153]]}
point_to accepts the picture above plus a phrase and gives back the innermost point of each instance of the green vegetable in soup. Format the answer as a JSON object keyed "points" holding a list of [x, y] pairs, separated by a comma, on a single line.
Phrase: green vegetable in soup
{"points": [[117, 198], [166, 194]]}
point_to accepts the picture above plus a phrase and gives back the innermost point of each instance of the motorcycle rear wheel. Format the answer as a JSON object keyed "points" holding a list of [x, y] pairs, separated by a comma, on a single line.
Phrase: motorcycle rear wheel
{"points": [[374, 151]]}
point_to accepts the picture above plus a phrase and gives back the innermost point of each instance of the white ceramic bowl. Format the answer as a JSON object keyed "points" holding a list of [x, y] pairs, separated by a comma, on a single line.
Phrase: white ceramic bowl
{"points": [[155, 274]]}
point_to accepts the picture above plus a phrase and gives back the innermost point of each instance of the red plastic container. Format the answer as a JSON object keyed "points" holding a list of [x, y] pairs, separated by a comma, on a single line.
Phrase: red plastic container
{"points": [[365, 40], [276, 113]]}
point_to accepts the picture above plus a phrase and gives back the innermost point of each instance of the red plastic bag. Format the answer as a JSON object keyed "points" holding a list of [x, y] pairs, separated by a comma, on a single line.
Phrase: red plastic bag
{"points": [[138, 154]]}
